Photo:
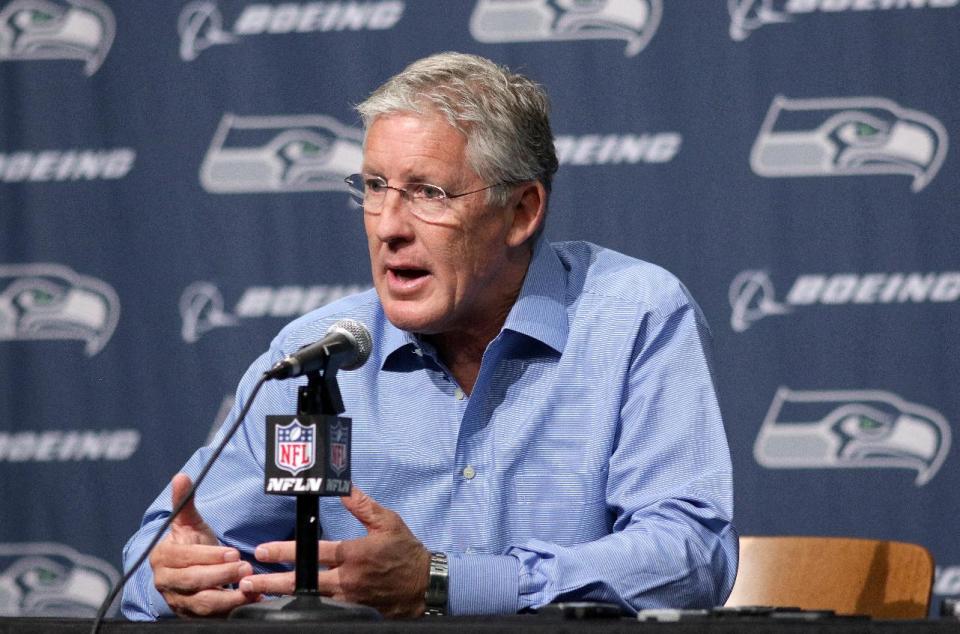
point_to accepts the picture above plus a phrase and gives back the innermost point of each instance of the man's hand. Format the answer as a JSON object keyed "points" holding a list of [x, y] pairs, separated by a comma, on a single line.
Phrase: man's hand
{"points": [[388, 569], [190, 567]]}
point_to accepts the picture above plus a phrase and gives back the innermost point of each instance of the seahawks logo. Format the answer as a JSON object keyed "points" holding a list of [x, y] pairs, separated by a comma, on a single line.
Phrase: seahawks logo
{"points": [[49, 579], [852, 429], [846, 137], [633, 21], [51, 301], [280, 154], [63, 29]]}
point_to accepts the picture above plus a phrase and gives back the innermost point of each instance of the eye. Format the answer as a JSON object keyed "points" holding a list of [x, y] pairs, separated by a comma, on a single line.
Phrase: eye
{"points": [[374, 185], [426, 192], [860, 133]]}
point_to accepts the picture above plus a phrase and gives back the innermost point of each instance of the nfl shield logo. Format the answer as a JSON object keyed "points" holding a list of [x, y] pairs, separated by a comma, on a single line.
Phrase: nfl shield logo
{"points": [[339, 448], [295, 449]]}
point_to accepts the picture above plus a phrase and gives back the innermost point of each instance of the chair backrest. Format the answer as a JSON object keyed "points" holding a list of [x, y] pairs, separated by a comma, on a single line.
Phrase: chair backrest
{"points": [[882, 579]]}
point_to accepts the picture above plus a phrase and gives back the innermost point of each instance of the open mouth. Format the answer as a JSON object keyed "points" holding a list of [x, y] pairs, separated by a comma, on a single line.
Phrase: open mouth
{"points": [[408, 275], [406, 278]]}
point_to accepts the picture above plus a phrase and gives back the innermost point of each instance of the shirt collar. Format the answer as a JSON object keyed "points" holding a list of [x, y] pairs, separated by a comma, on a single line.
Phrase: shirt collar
{"points": [[539, 313]]}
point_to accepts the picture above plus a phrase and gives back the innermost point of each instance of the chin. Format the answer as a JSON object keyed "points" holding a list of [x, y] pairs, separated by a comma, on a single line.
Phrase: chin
{"points": [[412, 318]]}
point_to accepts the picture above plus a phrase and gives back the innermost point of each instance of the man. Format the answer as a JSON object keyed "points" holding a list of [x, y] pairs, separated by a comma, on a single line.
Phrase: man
{"points": [[541, 419]]}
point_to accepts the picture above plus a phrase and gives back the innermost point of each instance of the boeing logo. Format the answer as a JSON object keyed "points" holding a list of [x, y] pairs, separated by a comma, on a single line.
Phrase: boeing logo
{"points": [[293, 153], [633, 21], [747, 16], [66, 165], [51, 301], [201, 24], [68, 445], [611, 149], [752, 295], [62, 29], [852, 429], [202, 306], [846, 137]]}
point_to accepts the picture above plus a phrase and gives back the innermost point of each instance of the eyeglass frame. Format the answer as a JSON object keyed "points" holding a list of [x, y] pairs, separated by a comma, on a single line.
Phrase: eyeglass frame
{"points": [[402, 189]]}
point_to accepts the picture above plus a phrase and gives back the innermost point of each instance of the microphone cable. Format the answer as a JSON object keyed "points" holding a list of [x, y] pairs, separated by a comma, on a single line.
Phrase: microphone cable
{"points": [[117, 587]]}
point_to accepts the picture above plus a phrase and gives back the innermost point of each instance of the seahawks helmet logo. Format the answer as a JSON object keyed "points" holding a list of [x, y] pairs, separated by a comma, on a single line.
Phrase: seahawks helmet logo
{"points": [[51, 301], [633, 21], [61, 29], [848, 136], [48, 579], [280, 154], [850, 429]]}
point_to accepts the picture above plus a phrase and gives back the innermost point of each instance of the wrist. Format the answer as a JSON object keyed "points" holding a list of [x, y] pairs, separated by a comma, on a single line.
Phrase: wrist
{"points": [[437, 593]]}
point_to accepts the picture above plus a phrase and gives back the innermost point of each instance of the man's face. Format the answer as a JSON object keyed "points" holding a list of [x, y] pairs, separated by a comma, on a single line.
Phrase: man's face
{"points": [[437, 277]]}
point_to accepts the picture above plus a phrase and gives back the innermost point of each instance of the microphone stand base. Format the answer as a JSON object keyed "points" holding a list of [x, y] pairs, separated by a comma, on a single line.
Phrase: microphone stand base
{"points": [[305, 608]]}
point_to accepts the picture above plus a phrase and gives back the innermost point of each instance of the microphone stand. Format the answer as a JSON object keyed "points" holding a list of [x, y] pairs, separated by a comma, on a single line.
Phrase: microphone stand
{"points": [[320, 396]]}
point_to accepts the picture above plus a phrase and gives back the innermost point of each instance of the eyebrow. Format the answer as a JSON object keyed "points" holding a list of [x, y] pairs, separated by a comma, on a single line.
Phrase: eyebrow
{"points": [[413, 178]]}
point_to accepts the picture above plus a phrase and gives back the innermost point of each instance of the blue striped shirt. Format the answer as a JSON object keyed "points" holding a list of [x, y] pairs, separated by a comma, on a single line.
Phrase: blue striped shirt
{"points": [[589, 463]]}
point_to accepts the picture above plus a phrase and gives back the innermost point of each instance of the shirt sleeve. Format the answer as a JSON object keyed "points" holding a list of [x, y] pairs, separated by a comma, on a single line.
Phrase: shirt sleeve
{"points": [[231, 498], [669, 492]]}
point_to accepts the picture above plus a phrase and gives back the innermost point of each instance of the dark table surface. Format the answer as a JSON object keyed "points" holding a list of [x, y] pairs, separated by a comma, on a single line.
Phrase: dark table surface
{"points": [[469, 625]]}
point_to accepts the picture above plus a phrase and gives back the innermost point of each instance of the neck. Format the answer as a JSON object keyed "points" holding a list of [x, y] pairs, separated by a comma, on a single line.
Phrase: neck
{"points": [[462, 350]]}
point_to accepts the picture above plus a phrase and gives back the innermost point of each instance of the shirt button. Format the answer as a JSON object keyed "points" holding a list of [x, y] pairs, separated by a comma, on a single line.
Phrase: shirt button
{"points": [[469, 472], [458, 394]]}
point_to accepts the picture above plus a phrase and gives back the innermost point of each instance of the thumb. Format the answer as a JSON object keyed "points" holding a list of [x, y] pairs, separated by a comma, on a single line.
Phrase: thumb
{"points": [[363, 507], [189, 517]]}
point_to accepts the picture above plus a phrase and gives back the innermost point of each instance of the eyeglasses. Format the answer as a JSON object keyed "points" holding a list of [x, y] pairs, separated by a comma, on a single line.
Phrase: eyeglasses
{"points": [[427, 202]]}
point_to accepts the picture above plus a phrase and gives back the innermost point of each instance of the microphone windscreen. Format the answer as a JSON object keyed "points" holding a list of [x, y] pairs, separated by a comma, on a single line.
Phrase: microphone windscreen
{"points": [[358, 332]]}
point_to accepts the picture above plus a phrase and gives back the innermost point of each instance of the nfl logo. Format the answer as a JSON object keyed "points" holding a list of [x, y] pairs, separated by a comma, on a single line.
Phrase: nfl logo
{"points": [[295, 449], [339, 448]]}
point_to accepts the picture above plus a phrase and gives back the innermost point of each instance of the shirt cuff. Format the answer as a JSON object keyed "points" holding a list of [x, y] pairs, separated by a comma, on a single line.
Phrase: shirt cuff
{"points": [[158, 604], [483, 584]]}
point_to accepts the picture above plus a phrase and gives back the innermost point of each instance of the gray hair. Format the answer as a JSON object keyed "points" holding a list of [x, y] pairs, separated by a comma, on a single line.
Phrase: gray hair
{"points": [[504, 116]]}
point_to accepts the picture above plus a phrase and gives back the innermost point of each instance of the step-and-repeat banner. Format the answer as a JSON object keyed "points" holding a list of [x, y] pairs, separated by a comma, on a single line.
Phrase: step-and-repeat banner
{"points": [[171, 196]]}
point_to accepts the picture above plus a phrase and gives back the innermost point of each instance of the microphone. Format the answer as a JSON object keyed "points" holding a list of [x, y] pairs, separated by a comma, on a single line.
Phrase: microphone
{"points": [[346, 346]]}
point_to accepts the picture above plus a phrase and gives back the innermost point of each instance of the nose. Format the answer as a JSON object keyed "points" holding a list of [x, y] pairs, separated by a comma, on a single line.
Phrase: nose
{"points": [[393, 222]]}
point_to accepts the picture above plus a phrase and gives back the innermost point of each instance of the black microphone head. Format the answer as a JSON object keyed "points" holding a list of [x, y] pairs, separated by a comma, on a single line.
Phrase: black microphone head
{"points": [[359, 335]]}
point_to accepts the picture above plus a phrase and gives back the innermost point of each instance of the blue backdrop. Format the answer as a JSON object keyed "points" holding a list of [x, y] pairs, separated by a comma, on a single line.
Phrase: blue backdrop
{"points": [[171, 195]]}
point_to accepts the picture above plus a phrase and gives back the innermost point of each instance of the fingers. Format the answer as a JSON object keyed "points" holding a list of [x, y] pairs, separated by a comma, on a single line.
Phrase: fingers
{"points": [[189, 516], [329, 584], [276, 552], [373, 516], [171, 554], [269, 583], [328, 553], [214, 602], [194, 579]]}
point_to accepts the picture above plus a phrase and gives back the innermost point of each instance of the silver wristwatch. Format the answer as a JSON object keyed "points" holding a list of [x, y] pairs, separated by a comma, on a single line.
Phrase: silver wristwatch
{"points": [[436, 594]]}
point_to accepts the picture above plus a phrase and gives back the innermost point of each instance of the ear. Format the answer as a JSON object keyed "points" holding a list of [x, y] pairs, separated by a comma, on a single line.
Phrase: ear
{"points": [[529, 206]]}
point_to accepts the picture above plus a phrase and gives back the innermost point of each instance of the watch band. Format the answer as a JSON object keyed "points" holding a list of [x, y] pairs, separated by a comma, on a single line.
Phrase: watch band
{"points": [[436, 594]]}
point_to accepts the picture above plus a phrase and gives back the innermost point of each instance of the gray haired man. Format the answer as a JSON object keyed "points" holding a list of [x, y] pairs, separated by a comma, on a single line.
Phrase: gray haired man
{"points": [[537, 422]]}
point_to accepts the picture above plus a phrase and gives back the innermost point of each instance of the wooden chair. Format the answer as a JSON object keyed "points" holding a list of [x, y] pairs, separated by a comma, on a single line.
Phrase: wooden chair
{"points": [[882, 579]]}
